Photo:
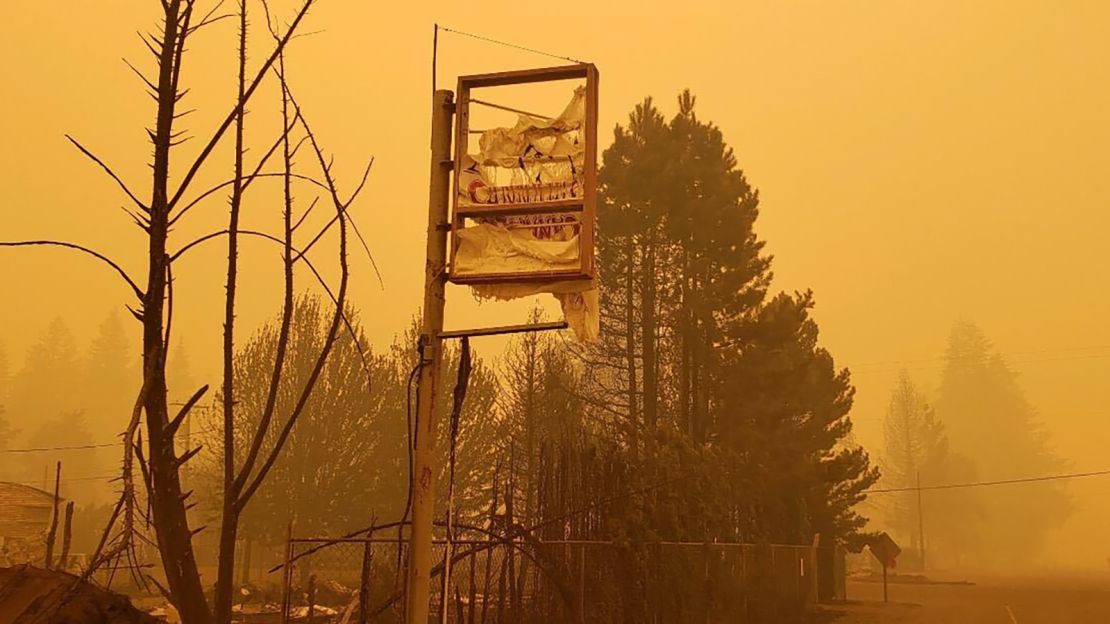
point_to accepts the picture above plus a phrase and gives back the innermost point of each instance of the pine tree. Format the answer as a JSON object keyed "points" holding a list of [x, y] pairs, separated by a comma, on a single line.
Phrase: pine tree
{"points": [[676, 233], [87, 465], [179, 374], [916, 448], [109, 391], [693, 347], [623, 367], [990, 422], [720, 271], [788, 408], [49, 383]]}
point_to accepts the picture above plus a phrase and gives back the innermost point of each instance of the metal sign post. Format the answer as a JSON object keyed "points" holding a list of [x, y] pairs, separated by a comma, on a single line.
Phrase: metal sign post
{"points": [[514, 204], [886, 551], [418, 579]]}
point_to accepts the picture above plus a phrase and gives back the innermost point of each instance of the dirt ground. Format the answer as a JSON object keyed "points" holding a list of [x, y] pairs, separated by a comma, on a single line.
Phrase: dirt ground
{"points": [[1078, 600]]}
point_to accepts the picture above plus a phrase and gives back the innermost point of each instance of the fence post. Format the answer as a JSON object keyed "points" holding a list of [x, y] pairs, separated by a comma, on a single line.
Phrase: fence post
{"points": [[841, 565], [814, 570], [776, 579], [799, 572], [582, 585], [705, 580], [814, 564], [67, 537], [287, 574], [744, 576], [472, 590], [364, 582], [311, 597]]}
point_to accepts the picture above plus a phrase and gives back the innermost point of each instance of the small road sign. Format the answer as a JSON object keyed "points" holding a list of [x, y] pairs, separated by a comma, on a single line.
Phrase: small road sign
{"points": [[885, 550]]}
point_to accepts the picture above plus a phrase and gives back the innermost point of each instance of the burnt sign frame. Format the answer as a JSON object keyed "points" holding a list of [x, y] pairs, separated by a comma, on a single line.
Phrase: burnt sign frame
{"points": [[585, 207]]}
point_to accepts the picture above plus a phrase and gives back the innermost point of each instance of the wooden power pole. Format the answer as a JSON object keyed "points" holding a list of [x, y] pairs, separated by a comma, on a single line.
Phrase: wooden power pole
{"points": [[418, 580], [920, 523]]}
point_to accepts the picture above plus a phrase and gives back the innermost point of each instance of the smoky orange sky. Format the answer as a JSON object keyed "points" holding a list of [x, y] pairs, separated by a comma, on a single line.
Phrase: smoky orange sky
{"points": [[918, 162]]}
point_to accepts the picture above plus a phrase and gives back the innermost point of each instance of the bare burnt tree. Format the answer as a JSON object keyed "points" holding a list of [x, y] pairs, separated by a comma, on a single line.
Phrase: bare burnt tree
{"points": [[158, 460]]}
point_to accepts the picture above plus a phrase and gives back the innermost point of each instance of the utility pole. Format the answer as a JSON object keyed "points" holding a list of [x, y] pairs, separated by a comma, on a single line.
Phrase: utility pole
{"points": [[418, 580], [920, 523]]}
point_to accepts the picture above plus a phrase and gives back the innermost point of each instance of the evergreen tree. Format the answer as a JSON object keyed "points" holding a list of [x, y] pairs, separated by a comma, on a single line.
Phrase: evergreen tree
{"points": [[721, 274], [697, 367], [914, 442], [788, 408], [990, 422], [676, 231], [180, 386], [179, 374], [85, 465], [623, 366], [49, 382], [109, 379]]}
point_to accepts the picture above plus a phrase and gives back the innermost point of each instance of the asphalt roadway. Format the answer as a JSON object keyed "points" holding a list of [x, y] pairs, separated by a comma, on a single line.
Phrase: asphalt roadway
{"points": [[990, 600]]}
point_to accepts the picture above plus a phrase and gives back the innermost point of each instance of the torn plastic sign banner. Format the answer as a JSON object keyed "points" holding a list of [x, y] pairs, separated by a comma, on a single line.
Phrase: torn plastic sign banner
{"points": [[536, 161]]}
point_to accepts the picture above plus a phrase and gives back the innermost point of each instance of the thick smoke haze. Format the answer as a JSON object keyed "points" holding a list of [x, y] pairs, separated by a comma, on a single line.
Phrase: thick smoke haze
{"points": [[918, 165]]}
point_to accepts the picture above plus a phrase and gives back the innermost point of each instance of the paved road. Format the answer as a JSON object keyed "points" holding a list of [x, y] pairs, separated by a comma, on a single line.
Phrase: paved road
{"points": [[988, 601]]}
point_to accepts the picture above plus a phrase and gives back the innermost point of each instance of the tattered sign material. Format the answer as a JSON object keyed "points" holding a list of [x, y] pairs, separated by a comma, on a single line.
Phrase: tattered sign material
{"points": [[537, 160]]}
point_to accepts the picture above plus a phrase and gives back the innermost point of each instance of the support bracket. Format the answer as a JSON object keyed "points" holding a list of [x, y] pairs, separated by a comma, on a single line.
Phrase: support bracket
{"points": [[505, 329]]}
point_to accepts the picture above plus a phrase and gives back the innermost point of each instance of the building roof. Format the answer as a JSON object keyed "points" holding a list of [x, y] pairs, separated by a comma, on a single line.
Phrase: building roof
{"points": [[22, 494], [25, 511]]}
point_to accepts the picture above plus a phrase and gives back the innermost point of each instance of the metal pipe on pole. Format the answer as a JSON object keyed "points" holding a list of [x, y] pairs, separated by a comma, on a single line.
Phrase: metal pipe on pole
{"points": [[418, 579]]}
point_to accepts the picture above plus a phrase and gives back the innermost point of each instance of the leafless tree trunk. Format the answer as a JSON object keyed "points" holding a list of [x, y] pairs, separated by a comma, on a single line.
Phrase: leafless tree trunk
{"points": [[241, 483], [52, 534], [160, 464], [166, 501], [67, 536]]}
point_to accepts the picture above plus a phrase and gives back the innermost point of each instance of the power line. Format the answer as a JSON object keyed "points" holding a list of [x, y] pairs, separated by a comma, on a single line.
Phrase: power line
{"points": [[953, 486], [1009, 359], [973, 359], [509, 45], [77, 447], [67, 480]]}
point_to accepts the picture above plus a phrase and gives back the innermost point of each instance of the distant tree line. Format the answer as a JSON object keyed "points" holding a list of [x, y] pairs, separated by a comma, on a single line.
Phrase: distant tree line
{"points": [[62, 396], [979, 427]]}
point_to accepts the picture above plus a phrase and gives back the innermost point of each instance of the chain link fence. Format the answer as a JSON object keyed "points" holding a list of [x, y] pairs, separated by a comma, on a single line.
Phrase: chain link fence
{"points": [[492, 581]]}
